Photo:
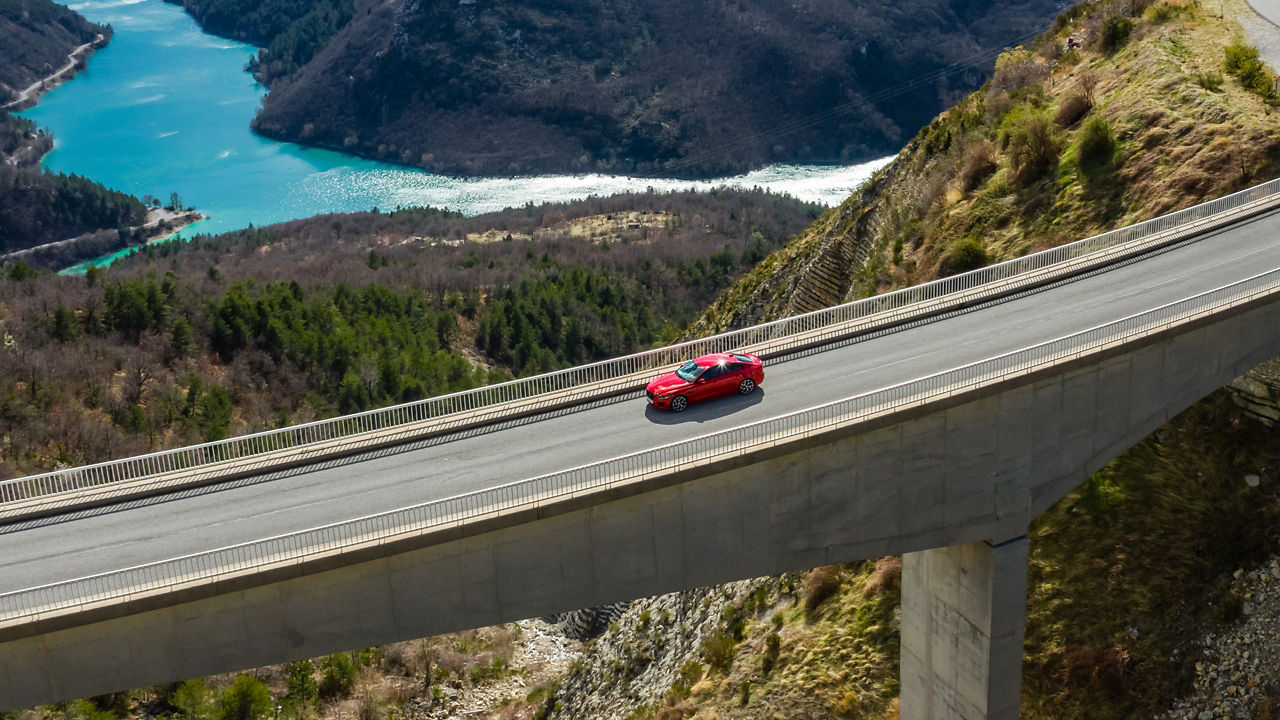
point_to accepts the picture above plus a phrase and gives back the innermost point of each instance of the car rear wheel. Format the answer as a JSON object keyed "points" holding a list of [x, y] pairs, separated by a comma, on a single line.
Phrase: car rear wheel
{"points": [[679, 403], [747, 386]]}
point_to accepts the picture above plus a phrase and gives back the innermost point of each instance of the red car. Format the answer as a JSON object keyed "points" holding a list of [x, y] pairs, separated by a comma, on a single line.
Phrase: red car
{"points": [[706, 377]]}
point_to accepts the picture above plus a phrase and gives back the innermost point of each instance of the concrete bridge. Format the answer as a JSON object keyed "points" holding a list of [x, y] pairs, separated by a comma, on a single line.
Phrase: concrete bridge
{"points": [[937, 428]]}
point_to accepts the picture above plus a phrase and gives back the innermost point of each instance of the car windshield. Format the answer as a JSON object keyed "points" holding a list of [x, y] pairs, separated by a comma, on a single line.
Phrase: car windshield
{"points": [[690, 371]]}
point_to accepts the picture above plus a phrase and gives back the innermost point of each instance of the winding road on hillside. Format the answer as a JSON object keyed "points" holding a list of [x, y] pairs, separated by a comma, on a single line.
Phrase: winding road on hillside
{"points": [[44, 551], [34, 90]]}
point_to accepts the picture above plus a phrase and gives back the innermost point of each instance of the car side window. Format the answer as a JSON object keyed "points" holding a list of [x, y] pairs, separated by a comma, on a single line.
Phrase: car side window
{"points": [[733, 367], [713, 372]]}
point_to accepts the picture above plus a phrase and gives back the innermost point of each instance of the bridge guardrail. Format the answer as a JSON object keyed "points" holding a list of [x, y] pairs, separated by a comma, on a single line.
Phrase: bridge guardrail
{"points": [[780, 335], [23, 605]]}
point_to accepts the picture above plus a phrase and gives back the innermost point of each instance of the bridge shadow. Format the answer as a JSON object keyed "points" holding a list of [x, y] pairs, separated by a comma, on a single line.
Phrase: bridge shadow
{"points": [[709, 410]]}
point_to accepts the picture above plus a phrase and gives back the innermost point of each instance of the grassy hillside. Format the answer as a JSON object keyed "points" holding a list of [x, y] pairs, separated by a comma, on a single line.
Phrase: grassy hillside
{"points": [[1144, 119], [1162, 107], [689, 88]]}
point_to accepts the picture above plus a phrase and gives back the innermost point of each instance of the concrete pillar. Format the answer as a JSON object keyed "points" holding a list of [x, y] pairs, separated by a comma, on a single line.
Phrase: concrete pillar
{"points": [[963, 611]]}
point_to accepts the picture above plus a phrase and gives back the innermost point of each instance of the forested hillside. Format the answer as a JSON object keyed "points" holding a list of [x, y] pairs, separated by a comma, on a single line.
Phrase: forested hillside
{"points": [[290, 32], [284, 324], [38, 207], [683, 88], [38, 35]]}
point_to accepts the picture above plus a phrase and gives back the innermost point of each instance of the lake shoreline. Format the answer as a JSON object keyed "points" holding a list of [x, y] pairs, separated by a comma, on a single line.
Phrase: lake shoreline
{"points": [[77, 62], [167, 109]]}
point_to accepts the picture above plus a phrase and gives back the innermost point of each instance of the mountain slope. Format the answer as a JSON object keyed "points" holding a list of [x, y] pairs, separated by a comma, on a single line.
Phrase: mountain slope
{"points": [[683, 88], [1133, 127], [38, 36]]}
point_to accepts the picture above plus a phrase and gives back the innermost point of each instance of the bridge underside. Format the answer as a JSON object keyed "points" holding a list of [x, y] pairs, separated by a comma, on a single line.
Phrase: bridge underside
{"points": [[970, 471]]}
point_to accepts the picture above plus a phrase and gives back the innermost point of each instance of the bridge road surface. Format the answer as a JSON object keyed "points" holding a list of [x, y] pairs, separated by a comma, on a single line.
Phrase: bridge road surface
{"points": [[53, 549]]}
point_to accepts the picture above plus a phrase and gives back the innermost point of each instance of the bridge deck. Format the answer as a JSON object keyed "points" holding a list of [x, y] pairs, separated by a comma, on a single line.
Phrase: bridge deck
{"points": [[44, 551]]}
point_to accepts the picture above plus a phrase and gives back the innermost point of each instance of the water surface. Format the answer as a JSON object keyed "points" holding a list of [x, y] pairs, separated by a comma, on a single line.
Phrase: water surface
{"points": [[165, 108]]}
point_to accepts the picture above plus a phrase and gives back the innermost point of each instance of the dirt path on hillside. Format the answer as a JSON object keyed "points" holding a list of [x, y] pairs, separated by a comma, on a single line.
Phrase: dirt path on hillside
{"points": [[28, 96]]}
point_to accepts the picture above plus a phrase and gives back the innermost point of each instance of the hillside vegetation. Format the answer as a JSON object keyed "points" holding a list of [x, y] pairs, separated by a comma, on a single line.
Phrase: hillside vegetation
{"points": [[284, 324], [38, 36], [1150, 116], [1125, 571], [687, 88], [38, 207], [1163, 107]]}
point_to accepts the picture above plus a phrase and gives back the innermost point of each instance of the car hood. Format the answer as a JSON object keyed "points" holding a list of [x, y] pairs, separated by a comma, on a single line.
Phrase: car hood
{"points": [[666, 383]]}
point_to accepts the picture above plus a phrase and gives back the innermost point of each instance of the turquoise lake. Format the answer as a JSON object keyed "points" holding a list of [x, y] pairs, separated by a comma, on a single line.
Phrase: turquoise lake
{"points": [[166, 108]]}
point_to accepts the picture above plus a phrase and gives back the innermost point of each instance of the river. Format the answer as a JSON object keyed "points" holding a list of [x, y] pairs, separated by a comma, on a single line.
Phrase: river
{"points": [[165, 108]]}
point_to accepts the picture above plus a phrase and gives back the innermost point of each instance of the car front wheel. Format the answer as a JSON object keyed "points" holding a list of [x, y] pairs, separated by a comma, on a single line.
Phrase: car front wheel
{"points": [[747, 386], [679, 403]]}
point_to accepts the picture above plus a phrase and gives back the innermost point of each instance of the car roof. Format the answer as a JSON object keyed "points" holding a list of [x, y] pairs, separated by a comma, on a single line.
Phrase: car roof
{"points": [[714, 359]]}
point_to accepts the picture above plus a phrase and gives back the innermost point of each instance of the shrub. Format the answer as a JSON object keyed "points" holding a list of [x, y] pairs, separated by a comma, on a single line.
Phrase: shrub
{"points": [[997, 104], [1115, 32], [820, 584], [301, 684], [1073, 107], [887, 574], [963, 255], [772, 649], [718, 649], [1033, 144], [1161, 12], [1243, 62], [1209, 80], [337, 676], [1016, 69], [978, 164], [368, 709], [1097, 142], [246, 699], [192, 698]]}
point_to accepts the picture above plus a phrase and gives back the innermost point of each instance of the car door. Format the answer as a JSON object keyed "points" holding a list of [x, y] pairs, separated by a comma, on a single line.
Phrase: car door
{"points": [[709, 382], [734, 373], [726, 381]]}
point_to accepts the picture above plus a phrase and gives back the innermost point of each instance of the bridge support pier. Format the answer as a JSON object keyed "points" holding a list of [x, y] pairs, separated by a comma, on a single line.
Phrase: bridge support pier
{"points": [[963, 611]]}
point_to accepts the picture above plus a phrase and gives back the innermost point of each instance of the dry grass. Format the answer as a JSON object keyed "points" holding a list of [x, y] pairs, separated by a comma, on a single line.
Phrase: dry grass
{"points": [[819, 585], [886, 575]]}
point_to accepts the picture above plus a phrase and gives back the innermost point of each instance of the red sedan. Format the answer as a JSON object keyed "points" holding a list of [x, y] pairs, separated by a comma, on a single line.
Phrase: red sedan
{"points": [[706, 377]]}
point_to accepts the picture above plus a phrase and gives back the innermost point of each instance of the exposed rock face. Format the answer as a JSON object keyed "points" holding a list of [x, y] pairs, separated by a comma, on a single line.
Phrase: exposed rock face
{"points": [[1237, 678], [821, 266], [640, 661], [1258, 392], [587, 623]]}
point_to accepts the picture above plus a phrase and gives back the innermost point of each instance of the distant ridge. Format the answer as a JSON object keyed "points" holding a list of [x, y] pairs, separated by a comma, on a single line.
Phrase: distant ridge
{"points": [[694, 88]]}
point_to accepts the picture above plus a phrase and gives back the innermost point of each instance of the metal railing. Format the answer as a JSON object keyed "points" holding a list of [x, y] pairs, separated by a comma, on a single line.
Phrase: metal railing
{"points": [[803, 329], [383, 527]]}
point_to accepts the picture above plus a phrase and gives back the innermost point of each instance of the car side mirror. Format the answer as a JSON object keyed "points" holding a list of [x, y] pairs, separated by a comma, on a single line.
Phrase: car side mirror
{"points": [[701, 380]]}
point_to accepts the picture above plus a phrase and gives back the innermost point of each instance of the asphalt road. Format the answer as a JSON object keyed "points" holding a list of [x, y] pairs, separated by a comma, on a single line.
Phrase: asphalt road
{"points": [[1269, 9], [54, 549]]}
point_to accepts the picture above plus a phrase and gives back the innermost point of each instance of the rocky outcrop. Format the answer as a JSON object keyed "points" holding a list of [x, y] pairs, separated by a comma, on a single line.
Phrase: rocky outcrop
{"points": [[1258, 392], [1236, 678], [642, 656]]}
